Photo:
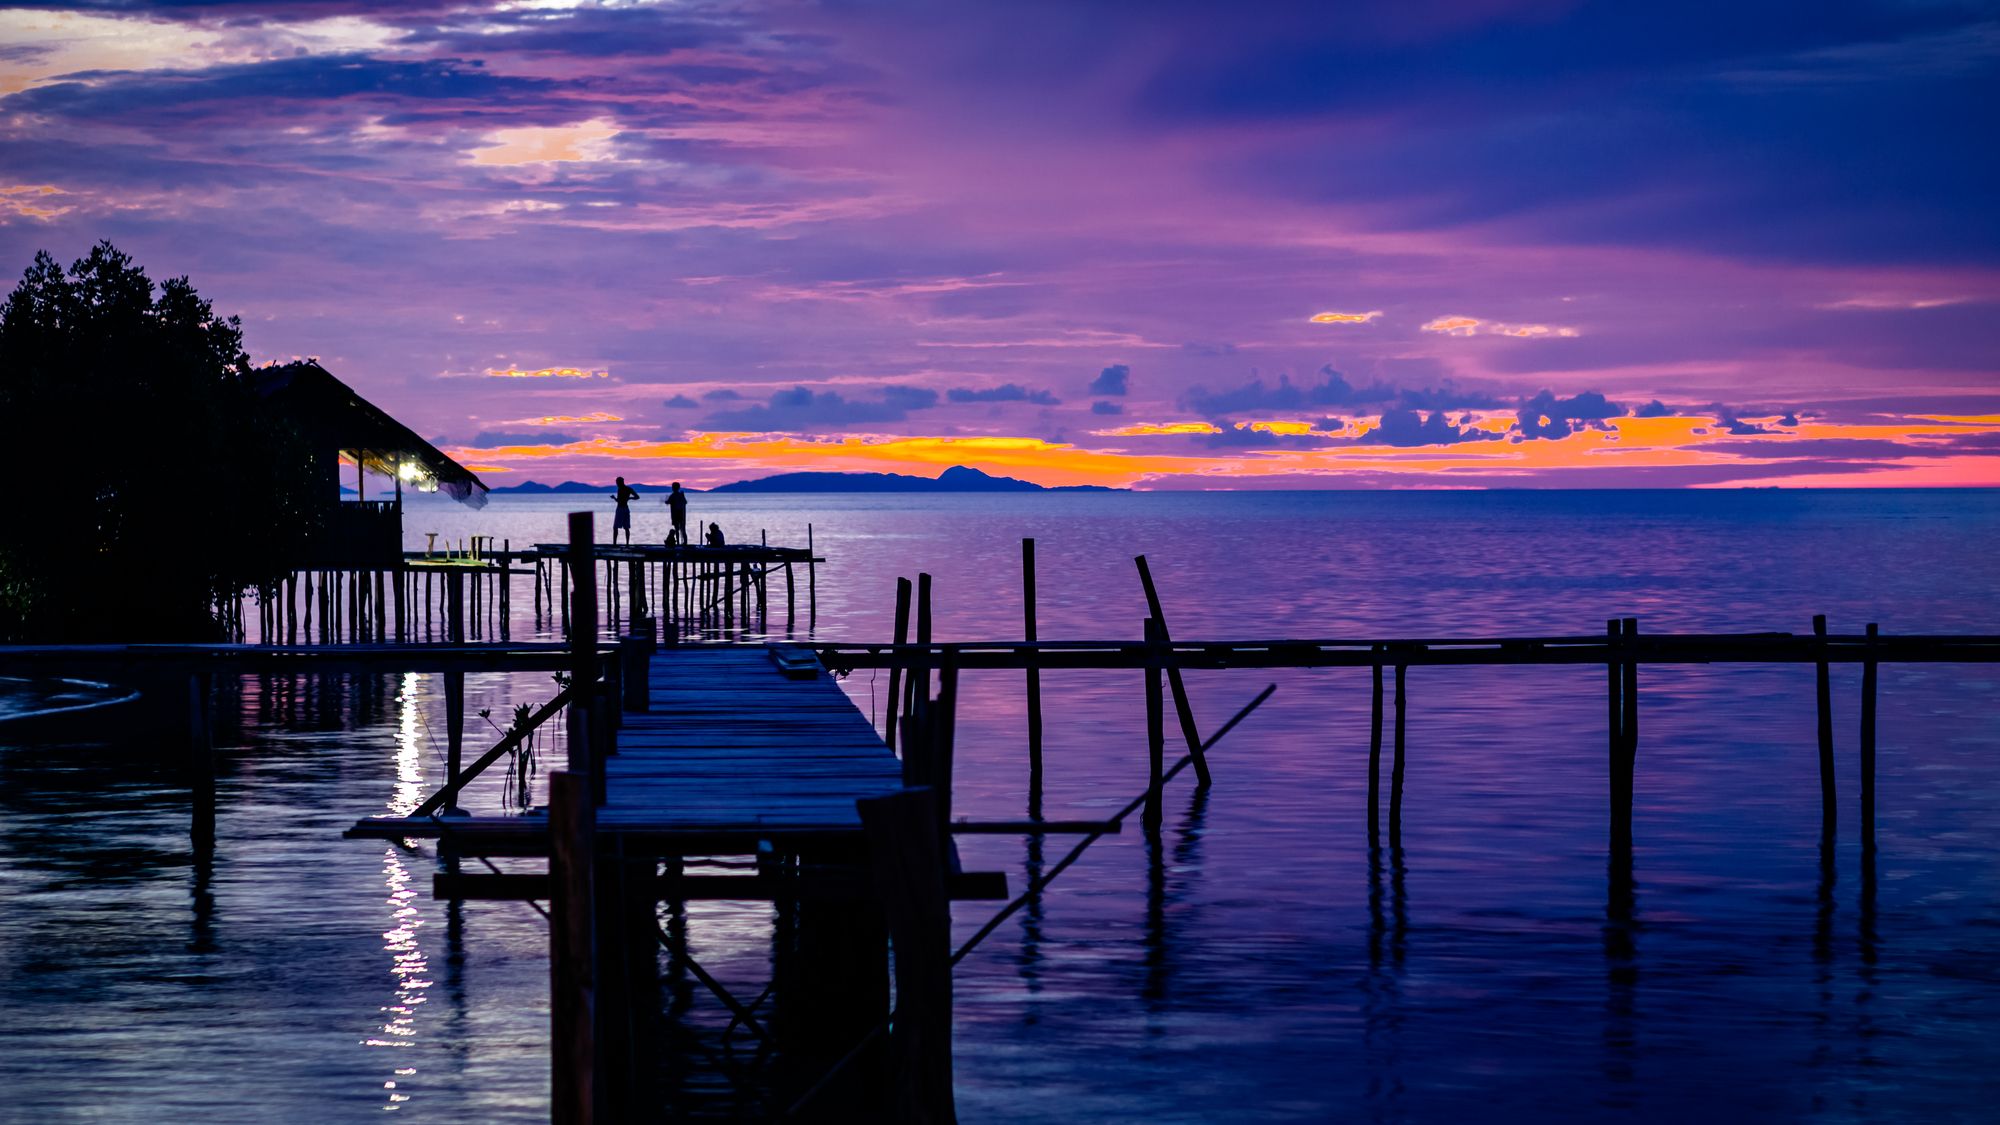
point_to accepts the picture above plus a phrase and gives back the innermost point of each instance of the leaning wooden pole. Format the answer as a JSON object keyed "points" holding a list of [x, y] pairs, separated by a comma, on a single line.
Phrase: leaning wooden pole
{"points": [[1182, 709]]}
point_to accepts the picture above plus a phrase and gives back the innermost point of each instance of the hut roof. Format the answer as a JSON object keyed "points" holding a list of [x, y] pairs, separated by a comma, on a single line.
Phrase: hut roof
{"points": [[328, 412]]}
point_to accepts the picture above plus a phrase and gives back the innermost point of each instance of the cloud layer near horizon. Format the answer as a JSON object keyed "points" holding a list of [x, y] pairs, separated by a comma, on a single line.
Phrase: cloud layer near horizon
{"points": [[1479, 243]]}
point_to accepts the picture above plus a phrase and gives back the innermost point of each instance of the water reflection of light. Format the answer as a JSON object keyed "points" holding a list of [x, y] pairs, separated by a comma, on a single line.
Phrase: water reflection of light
{"points": [[408, 968]]}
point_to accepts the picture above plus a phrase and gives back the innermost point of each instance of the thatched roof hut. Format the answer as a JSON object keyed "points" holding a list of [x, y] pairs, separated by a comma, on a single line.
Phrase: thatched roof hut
{"points": [[336, 420]]}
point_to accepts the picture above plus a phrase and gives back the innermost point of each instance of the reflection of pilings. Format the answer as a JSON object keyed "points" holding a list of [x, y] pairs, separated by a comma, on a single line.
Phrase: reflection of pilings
{"points": [[1396, 769], [1621, 977], [1157, 963], [1030, 959], [1381, 1003], [1159, 896]]}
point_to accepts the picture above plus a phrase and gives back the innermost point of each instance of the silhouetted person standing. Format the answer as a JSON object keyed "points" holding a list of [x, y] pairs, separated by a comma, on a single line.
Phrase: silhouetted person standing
{"points": [[677, 507], [622, 521], [715, 535]]}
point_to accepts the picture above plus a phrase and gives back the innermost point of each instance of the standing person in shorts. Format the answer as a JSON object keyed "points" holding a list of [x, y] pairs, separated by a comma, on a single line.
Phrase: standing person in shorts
{"points": [[622, 521]]}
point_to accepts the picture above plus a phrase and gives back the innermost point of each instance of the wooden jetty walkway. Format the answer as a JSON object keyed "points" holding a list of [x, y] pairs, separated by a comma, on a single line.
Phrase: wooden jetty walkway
{"points": [[744, 751]]}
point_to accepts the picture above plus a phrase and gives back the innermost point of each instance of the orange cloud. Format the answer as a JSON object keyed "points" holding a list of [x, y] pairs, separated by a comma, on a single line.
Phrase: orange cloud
{"points": [[1345, 318], [21, 199], [564, 419], [1155, 429], [584, 141], [1469, 326], [546, 373]]}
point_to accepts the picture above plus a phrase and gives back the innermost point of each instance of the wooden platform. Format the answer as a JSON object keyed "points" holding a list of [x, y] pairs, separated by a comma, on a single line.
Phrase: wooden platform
{"points": [[733, 752], [692, 553]]}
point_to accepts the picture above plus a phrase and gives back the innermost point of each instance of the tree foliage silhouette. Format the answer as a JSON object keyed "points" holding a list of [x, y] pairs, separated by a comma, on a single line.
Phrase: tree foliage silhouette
{"points": [[148, 481]]}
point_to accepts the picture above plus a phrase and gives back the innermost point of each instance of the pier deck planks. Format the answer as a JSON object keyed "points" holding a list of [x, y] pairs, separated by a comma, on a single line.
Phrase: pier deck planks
{"points": [[732, 747], [731, 742]]}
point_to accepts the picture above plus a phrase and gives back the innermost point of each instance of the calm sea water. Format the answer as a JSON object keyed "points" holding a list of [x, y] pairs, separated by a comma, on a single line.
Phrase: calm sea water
{"points": [[1253, 966]]}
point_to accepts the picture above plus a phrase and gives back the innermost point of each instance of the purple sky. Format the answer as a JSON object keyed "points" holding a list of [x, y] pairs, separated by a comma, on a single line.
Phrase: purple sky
{"points": [[1735, 243]]}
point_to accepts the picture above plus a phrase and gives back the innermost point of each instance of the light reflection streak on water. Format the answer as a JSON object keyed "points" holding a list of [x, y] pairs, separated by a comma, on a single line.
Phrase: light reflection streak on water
{"points": [[409, 968]]}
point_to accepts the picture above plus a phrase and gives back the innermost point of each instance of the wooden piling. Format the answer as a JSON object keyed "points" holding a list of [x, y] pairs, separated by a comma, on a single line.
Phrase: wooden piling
{"points": [[1621, 811], [582, 646], [907, 859], [506, 589], [454, 733], [944, 732], [1156, 740], [1034, 674], [924, 622], [1396, 767], [1375, 752], [454, 593], [1828, 805], [812, 583], [895, 700], [1182, 709], [1868, 746], [1630, 764], [572, 949]]}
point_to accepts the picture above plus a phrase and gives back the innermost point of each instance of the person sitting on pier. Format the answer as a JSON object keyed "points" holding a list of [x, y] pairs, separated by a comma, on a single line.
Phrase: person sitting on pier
{"points": [[677, 507], [674, 538], [622, 521], [715, 535]]}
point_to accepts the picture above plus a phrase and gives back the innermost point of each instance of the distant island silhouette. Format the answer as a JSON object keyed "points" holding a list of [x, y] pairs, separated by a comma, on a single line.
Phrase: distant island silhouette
{"points": [[958, 478]]}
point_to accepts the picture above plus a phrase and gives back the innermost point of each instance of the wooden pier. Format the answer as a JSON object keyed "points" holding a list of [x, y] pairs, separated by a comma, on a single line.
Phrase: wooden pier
{"points": [[742, 751]]}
